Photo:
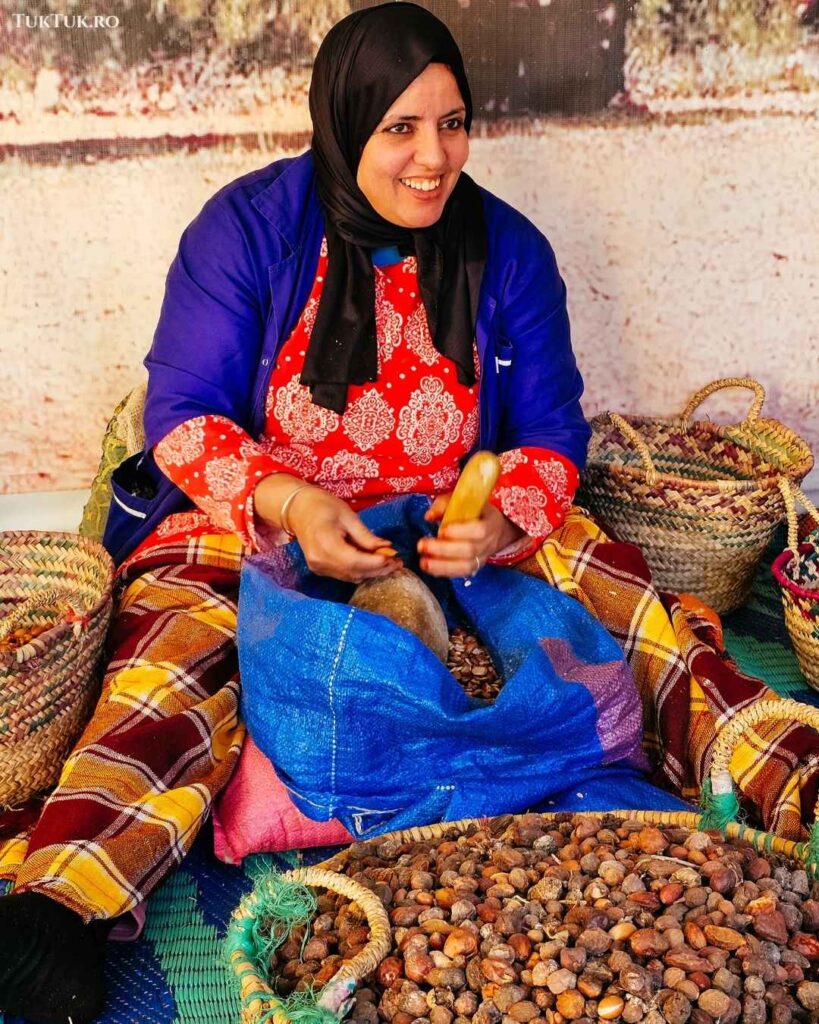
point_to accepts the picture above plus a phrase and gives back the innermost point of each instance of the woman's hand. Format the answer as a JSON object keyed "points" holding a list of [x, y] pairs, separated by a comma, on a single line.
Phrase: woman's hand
{"points": [[333, 538], [460, 549]]}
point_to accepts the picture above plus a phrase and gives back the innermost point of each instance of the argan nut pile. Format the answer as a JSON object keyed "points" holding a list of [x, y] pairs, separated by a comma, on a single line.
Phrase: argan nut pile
{"points": [[572, 918], [469, 661], [20, 637]]}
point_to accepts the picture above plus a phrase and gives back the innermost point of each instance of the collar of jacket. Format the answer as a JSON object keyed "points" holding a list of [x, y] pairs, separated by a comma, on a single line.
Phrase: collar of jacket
{"points": [[291, 203]]}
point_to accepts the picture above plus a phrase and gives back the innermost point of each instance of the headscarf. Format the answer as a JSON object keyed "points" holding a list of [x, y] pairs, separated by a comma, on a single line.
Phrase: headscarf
{"points": [[363, 65]]}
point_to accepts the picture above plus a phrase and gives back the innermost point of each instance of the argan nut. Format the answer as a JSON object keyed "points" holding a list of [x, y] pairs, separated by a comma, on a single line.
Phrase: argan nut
{"points": [[571, 1004], [610, 1007], [694, 935], [670, 893], [389, 970]]}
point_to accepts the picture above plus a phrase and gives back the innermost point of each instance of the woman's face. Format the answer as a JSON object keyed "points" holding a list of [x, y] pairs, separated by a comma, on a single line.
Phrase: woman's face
{"points": [[411, 162]]}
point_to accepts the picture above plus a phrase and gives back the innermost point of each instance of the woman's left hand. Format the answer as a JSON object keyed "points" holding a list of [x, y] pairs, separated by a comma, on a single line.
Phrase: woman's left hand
{"points": [[460, 549]]}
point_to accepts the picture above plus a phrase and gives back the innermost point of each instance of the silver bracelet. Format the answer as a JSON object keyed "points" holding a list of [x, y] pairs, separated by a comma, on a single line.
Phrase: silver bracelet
{"points": [[283, 521]]}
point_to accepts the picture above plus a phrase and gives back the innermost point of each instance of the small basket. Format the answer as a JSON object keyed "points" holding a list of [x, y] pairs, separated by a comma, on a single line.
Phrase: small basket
{"points": [[60, 584], [800, 596], [701, 500], [247, 950]]}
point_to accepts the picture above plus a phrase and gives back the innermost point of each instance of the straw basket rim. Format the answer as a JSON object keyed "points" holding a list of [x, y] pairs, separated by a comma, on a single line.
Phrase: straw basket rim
{"points": [[755, 486], [785, 561], [47, 682], [87, 545], [763, 840], [795, 548], [259, 1001]]}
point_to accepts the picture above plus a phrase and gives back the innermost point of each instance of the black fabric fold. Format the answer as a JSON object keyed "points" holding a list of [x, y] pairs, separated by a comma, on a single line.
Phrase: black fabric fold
{"points": [[363, 65]]}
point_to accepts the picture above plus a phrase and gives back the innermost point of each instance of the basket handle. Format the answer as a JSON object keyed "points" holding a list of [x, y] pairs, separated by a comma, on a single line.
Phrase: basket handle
{"points": [[791, 493], [763, 711], [259, 1001], [628, 430], [54, 597], [718, 385]]}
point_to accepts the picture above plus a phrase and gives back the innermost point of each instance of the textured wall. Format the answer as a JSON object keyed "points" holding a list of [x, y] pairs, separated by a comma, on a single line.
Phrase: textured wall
{"points": [[689, 251]]}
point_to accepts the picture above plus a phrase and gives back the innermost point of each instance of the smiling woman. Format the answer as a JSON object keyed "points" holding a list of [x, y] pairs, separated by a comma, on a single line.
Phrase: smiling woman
{"points": [[338, 329]]}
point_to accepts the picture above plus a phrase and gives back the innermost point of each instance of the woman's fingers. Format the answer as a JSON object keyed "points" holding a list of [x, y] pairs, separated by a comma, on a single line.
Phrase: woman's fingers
{"points": [[449, 549], [436, 510], [360, 535], [333, 553], [451, 567]]}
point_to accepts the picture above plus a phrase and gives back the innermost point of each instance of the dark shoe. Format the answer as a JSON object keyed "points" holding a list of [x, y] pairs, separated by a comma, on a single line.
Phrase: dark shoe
{"points": [[51, 963]]}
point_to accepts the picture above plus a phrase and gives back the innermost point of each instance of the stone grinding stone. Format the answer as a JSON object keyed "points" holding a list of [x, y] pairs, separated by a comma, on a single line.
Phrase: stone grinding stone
{"points": [[409, 603]]}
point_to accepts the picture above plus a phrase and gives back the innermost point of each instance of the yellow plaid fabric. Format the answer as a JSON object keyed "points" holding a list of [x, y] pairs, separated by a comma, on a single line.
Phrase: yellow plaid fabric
{"points": [[162, 742]]}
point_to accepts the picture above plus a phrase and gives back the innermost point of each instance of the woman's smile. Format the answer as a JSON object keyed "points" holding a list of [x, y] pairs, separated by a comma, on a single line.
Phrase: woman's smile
{"points": [[426, 185]]}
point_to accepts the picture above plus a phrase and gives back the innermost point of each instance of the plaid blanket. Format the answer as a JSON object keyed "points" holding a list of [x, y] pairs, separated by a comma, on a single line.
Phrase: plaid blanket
{"points": [[689, 686], [166, 735], [161, 743]]}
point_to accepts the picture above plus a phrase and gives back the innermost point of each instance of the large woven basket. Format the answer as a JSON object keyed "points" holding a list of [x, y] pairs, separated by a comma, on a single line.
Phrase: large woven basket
{"points": [[261, 1005], [800, 594], [701, 500], [58, 585]]}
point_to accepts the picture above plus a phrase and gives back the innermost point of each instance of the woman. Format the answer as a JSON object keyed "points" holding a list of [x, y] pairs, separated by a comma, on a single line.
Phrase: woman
{"points": [[337, 328]]}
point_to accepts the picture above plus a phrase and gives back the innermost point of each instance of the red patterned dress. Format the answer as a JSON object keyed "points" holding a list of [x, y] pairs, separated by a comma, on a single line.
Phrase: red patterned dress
{"points": [[405, 433]]}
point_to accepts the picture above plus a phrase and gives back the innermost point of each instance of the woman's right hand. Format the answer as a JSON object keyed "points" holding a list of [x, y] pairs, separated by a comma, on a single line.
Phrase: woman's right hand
{"points": [[333, 538]]}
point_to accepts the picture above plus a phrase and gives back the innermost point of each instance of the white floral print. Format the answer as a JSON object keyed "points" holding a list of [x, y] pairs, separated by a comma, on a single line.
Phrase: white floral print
{"points": [[389, 324], [526, 506], [346, 473], [226, 477], [368, 420], [514, 457], [298, 417], [184, 444], [445, 479], [553, 474], [402, 484], [469, 434], [418, 337], [429, 422]]}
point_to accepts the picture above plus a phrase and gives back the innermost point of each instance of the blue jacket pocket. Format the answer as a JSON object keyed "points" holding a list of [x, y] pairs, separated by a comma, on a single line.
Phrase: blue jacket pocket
{"points": [[141, 497]]}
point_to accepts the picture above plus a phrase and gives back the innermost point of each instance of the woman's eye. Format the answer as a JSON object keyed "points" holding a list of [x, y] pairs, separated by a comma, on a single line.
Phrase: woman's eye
{"points": [[454, 123], [399, 129]]}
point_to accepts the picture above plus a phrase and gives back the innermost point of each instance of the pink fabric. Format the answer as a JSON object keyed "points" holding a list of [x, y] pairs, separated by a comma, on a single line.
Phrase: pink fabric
{"points": [[255, 814]]}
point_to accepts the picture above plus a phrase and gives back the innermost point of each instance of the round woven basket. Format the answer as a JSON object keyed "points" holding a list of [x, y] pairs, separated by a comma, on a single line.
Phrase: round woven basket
{"points": [[58, 585], [260, 1004], [701, 500], [800, 601], [259, 1001]]}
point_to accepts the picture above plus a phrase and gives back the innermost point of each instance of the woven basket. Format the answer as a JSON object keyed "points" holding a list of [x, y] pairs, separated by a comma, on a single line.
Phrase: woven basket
{"points": [[61, 581], [259, 1001], [701, 500], [260, 1004], [800, 602]]}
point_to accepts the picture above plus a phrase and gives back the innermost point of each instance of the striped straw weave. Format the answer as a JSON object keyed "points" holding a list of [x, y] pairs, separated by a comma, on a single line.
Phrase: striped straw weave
{"points": [[701, 500], [55, 604]]}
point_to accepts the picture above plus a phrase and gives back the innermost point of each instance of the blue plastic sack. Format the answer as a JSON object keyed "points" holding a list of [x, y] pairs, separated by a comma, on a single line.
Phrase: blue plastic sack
{"points": [[363, 723]]}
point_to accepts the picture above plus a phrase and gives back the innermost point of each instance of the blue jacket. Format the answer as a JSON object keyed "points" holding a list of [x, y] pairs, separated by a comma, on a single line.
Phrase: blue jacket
{"points": [[242, 276]]}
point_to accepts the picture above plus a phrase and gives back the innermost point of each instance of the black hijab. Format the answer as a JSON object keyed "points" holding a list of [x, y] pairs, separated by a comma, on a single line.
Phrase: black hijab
{"points": [[363, 65]]}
